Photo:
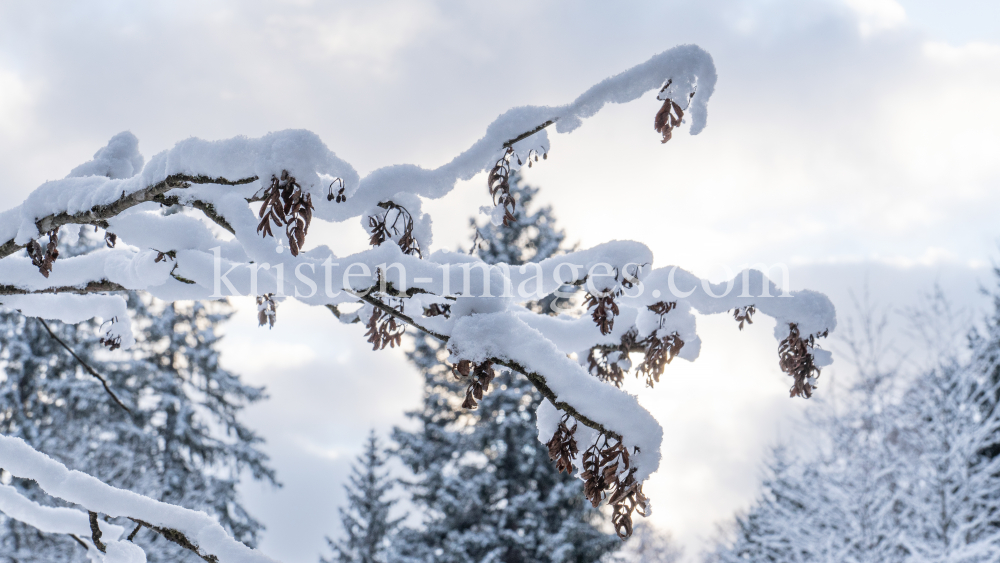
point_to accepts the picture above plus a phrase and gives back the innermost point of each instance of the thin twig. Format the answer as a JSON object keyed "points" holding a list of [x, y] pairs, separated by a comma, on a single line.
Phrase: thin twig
{"points": [[79, 541], [95, 533], [527, 134], [179, 538], [134, 532], [536, 379], [89, 369]]}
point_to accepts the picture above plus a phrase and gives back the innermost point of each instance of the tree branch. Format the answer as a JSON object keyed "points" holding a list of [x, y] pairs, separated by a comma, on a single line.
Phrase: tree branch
{"points": [[536, 379], [527, 134], [177, 537], [98, 215], [89, 369], [102, 286]]}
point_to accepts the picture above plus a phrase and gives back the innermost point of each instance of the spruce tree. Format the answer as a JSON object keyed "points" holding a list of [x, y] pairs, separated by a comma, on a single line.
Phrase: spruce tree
{"points": [[366, 523], [179, 440], [485, 485]]}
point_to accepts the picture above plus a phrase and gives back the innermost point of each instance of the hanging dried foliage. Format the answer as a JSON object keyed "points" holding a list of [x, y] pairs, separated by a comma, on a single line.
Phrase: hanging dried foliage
{"points": [[607, 473], [660, 351], [481, 375], [437, 310], [112, 342], [744, 315], [562, 445], [795, 359], [267, 310], [384, 330], [286, 205], [603, 310], [498, 182], [44, 259], [401, 225]]}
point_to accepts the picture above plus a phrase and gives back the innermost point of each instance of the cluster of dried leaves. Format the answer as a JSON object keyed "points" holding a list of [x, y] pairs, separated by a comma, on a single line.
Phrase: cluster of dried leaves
{"points": [[603, 310], [562, 445], [43, 259], [112, 342], [659, 350], [607, 474], [670, 115], [382, 230], [611, 363], [437, 310], [110, 239], [744, 315], [286, 205], [481, 375], [795, 359], [267, 310], [384, 330], [498, 182]]}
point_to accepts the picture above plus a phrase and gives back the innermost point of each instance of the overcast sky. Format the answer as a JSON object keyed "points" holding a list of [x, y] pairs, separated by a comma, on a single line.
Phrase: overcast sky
{"points": [[855, 140]]}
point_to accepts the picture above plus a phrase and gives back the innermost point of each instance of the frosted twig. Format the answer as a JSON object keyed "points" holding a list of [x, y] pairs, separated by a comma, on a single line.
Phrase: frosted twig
{"points": [[89, 369]]}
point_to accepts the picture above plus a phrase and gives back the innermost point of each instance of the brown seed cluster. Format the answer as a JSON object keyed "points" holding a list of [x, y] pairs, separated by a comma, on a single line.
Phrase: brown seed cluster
{"points": [[603, 310], [498, 182], [480, 375], [606, 364], [607, 474], [401, 225], [660, 351], [744, 315], [438, 310], [384, 330], [286, 205], [44, 259], [562, 446], [112, 342], [795, 359]]}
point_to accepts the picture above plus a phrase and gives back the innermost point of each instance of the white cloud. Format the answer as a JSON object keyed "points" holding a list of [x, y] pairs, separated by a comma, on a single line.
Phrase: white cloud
{"points": [[15, 101], [875, 16]]}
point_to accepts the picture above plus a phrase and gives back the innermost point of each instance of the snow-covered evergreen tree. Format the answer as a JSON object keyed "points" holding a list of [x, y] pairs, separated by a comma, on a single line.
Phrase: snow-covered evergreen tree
{"points": [[780, 527], [909, 476], [844, 502], [366, 523], [180, 440], [485, 485]]}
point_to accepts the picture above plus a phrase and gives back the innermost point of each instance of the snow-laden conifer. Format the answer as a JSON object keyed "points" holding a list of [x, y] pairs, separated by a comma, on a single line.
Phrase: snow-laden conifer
{"points": [[366, 526], [176, 437], [484, 483]]}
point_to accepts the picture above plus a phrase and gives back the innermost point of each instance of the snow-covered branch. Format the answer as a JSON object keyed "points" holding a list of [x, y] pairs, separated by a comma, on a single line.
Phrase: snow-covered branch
{"points": [[262, 195]]}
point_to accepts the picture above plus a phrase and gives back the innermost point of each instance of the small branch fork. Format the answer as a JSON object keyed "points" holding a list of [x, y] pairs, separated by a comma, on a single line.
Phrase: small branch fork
{"points": [[169, 533], [87, 367]]}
